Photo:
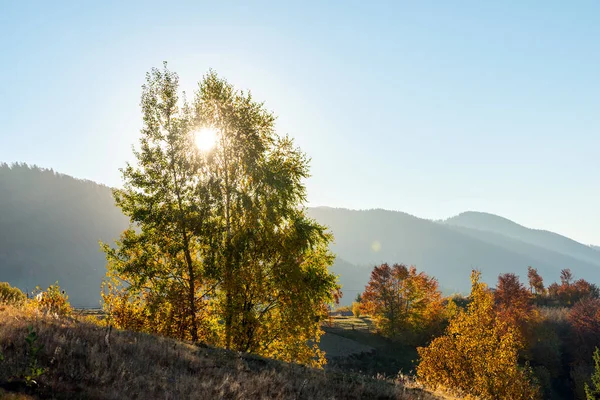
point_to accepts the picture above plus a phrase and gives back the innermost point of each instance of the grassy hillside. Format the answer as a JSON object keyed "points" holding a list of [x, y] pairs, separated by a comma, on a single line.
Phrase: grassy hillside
{"points": [[364, 350], [83, 362]]}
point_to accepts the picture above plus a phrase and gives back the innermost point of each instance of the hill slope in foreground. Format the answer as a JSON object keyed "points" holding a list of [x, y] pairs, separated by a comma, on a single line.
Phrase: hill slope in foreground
{"points": [[81, 361]]}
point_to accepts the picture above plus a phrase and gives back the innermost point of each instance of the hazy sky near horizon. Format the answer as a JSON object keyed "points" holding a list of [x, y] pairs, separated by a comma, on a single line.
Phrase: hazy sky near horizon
{"points": [[432, 108]]}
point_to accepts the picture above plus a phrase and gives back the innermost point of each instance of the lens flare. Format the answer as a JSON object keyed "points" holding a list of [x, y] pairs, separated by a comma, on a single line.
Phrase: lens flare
{"points": [[205, 139]]}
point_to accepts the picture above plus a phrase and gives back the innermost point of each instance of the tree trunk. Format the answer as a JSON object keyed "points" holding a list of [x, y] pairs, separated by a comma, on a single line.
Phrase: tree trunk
{"points": [[192, 285]]}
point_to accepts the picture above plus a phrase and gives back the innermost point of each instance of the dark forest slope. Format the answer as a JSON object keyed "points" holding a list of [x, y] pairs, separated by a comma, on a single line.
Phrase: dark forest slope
{"points": [[50, 225]]}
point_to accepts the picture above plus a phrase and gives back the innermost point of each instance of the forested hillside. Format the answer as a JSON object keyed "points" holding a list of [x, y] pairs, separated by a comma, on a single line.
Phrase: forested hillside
{"points": [[548, 240], [50, 225], [447, 251]]}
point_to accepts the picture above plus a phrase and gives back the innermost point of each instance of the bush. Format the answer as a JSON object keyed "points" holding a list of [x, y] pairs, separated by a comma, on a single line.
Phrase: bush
{"points": [[356, 309], [54, 301], [11, 295], [478, 354]]}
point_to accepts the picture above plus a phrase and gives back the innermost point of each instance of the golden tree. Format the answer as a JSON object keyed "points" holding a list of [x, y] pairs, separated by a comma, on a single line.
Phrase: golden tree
{"points": [[220, 248], [478, 354]]}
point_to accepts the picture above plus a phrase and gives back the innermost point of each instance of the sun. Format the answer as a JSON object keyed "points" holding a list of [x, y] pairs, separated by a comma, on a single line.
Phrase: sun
{"points": [[205, 139]]}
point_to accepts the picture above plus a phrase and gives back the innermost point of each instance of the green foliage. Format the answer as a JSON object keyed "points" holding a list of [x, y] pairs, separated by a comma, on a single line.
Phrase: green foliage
{"points": [[593, 392], [11, 295], [222, 250], [33, 370]]}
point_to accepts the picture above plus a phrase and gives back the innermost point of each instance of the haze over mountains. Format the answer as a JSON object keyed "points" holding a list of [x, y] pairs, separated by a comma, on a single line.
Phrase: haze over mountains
{"points": [[50, 225], [449, 249]]}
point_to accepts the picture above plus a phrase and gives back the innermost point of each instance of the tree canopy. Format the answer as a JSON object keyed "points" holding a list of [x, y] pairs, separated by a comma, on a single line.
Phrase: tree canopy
{"points": [[478, 354], [402, 301], [220, 248]]}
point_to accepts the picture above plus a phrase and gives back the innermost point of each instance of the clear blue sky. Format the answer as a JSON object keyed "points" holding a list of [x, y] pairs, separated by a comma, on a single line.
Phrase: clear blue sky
{"points": [[431, 108]]}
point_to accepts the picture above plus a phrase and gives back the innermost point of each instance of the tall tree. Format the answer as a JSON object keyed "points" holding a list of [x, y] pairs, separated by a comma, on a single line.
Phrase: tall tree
{"points": [[536, 282], [514, 303], [161, 197], [256, 268], [272, 260], [566, 276]]}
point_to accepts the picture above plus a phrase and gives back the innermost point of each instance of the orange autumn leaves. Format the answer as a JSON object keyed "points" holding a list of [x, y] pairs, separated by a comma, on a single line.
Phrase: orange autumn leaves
{"points": [[402, 301], [478, 354]]}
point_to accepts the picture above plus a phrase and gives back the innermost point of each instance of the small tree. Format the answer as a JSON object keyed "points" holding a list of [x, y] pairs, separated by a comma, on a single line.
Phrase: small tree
{"points": [[514, 303], [399, 299], [478, 354], [593, 392], [356, 309], [536, 282]]}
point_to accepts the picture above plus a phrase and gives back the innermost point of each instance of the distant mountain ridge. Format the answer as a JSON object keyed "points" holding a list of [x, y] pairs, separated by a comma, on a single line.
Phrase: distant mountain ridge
{"points": [[50, 225], [549, 240], [447, 249]]}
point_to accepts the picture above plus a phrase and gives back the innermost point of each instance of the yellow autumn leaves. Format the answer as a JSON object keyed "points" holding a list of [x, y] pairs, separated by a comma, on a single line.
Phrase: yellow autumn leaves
{"points": [[478, 354]]}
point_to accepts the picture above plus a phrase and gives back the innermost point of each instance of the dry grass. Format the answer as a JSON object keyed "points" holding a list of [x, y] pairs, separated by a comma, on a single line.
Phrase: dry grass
{"points": [[81, 365], [352, 323], [4, 395]]}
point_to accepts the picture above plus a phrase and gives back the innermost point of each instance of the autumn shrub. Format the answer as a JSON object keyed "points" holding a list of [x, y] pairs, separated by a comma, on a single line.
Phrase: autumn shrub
{"points": [[343, 310], [478, 354], [356, 309], [11, 295], [53, 301], [570, 291]]}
